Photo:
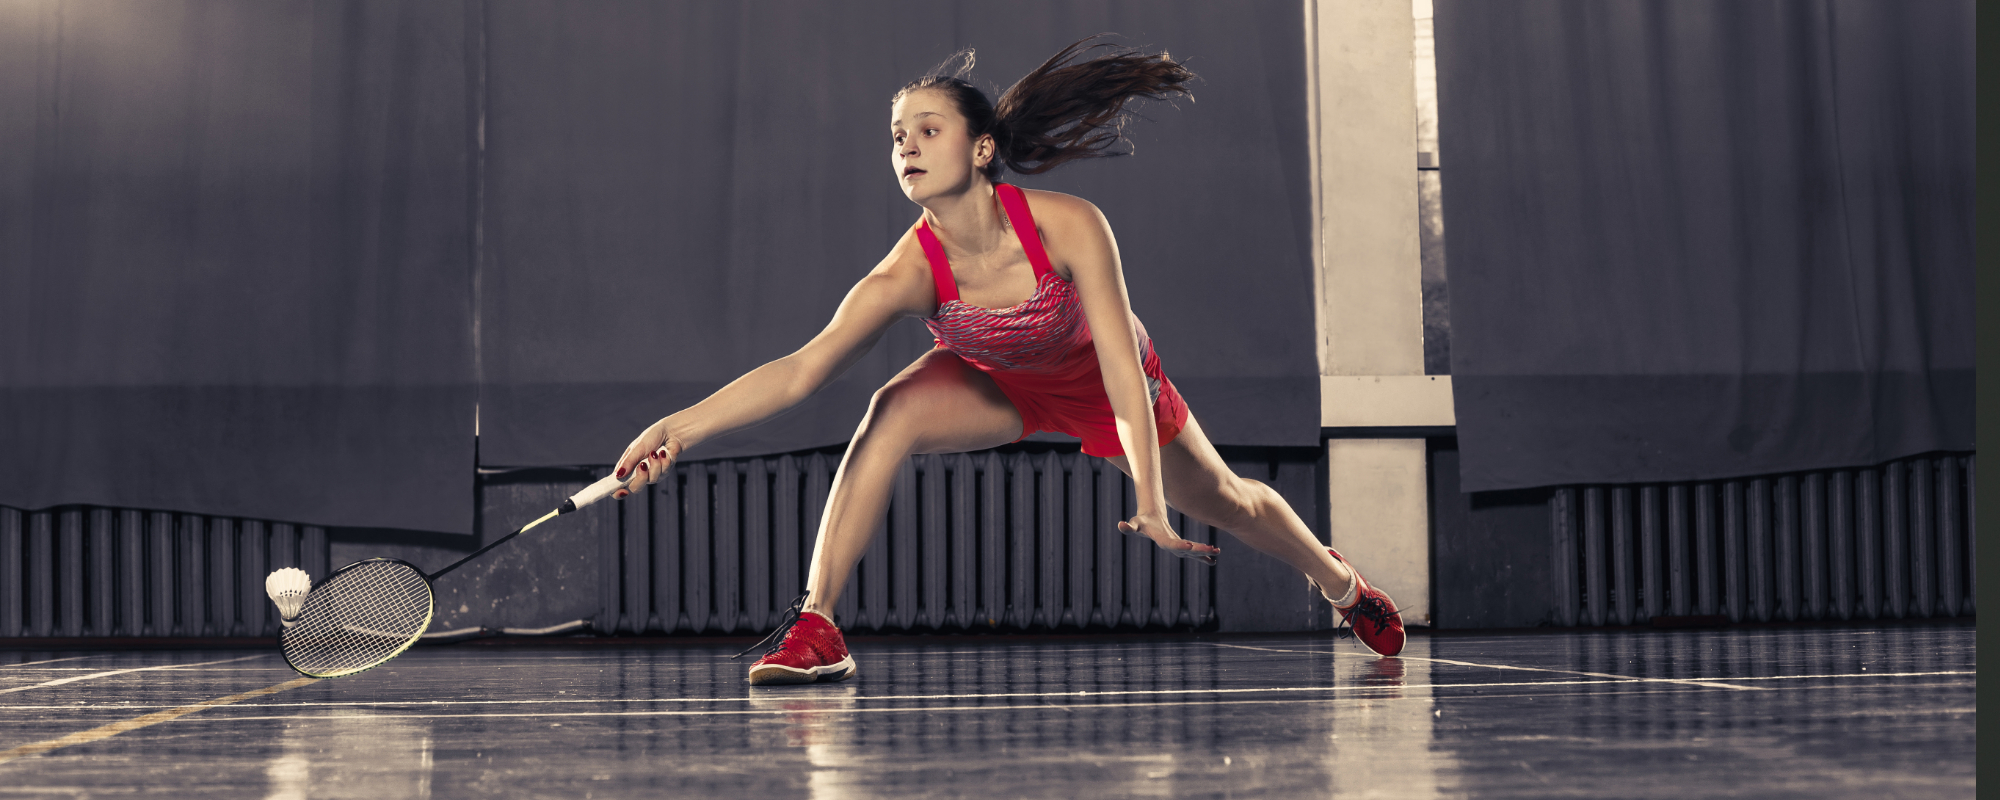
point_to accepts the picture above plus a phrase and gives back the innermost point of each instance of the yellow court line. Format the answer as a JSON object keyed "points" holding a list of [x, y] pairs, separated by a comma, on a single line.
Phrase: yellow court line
{"points": [[135, 723]]}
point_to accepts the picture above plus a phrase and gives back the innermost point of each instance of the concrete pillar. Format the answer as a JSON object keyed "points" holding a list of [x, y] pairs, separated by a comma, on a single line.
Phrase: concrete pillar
{"points": [[1362, 93]]}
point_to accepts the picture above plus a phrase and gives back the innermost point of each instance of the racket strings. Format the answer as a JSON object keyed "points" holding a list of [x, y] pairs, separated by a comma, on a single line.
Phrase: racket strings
{"points": [[359, 618]]}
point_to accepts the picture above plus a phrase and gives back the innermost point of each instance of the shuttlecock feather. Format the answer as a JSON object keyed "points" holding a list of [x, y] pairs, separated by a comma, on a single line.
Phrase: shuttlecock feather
{"points": [[287, 588]]}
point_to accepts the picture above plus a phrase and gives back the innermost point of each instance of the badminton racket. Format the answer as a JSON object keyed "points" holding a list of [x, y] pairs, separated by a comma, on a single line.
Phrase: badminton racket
{"points": [[368, 612]]}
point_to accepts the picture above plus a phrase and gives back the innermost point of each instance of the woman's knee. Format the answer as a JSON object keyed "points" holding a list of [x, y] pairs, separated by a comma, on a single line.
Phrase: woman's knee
{"points": [[1233, 503]]}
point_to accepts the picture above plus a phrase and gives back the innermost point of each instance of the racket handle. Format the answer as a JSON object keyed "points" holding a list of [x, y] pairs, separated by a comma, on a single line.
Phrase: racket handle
{"points": [[592, 493]]}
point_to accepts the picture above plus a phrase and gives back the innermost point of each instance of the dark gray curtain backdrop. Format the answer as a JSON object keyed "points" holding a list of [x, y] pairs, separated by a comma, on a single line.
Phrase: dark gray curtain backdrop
{"points": [[1698, 239], [234, 272], [679, 192]]}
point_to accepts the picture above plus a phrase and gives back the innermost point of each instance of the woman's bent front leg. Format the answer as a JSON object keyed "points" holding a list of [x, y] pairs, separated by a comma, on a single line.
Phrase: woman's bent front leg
{"points": [[939, 404]]}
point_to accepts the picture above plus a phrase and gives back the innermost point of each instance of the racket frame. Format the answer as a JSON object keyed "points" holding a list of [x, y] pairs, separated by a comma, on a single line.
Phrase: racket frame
{"points": [[430, 613]]}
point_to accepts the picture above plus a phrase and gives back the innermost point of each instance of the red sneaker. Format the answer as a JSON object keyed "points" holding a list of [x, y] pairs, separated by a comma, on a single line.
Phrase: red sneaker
{"points": [[812, 650], [1373, 617]]}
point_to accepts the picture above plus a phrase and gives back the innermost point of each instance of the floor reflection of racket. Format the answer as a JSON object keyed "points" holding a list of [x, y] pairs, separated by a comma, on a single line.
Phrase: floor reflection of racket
{"points": [[370, 611]]}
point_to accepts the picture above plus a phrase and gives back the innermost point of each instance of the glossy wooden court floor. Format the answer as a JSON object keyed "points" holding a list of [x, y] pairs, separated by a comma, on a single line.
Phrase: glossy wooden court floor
{"points": [[1824, 712]]}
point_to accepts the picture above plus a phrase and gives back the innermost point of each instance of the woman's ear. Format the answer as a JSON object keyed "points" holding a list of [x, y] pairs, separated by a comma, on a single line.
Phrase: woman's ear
{"points": [[982, 150]]}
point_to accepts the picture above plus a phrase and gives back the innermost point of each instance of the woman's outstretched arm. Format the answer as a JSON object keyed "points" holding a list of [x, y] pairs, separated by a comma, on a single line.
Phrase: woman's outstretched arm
{"points": [[894, 289], [1080, 233]]}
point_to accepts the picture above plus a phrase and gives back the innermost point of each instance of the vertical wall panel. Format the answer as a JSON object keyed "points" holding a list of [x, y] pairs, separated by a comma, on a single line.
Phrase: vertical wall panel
{"points": [[1049, 541], [101, 576], [1949, 523], [1563, 533], [1106, 499], [1139, 596], [1707, 565], [1021, 540], [1840, 543], [1680, 535], [1869, 562], [757, 547], [1597, 591], [1734, 553], [669, 565], [131, 572], [1785, 540], [628, 578], [933, 544], [964, 543], [1624, 549], [1763, 591], [1080, 563], [191, 584], [70, 559], [697, 588], [901, 575], [1895, 542], [992, 568], [1923, 538], [221, 573], [728, 547], [1971, 533], [313, 550], [13, 580], [253, 607], [1812, 545], [163, 569], [1652, 554]]}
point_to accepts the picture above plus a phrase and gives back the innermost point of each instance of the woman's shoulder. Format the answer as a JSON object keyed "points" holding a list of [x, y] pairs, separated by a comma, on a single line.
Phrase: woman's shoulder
{"points": [[1061, 210]]}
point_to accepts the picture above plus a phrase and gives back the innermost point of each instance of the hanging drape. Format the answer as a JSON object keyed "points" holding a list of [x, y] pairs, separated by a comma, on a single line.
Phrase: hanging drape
{"points": [[1695, 239], [234, 272]]}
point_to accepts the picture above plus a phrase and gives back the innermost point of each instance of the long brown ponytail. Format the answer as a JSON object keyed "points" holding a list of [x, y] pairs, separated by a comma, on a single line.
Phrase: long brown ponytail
{"points": [[1063, 110]]}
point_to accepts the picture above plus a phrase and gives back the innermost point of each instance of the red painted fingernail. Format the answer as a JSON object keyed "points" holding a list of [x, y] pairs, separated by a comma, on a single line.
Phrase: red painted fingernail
{"points": [[642, 465]]}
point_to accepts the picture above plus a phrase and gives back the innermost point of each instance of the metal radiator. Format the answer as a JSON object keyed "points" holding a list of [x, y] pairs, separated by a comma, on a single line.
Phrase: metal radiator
{"points": [[1890, 542], [981, 541], [96, 572]]}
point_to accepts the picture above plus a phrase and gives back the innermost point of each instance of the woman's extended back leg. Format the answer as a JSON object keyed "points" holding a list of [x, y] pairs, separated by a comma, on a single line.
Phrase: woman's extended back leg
{"points": [[939, 404]]}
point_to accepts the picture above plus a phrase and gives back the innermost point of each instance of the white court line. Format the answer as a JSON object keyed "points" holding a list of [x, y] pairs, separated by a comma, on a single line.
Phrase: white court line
{"points": [[49, 661], [987, 709], [108, 673], [998, 695], [772, 695], [1689, 681]]}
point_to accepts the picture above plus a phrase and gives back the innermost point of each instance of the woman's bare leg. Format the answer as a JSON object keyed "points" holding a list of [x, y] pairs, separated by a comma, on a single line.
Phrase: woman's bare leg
{"points": [[939, 404], [1202, 486]]}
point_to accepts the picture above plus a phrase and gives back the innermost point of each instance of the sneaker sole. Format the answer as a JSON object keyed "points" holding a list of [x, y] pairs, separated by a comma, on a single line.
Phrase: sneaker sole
{"points": [[779, 674]]}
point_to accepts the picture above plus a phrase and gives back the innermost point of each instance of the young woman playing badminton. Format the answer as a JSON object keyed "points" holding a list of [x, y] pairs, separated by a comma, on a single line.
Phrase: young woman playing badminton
{"points": [[1024, 293]]}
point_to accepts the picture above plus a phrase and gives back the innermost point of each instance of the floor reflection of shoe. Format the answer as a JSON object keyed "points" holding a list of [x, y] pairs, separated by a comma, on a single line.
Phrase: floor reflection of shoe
{"points": [[1384, 672], [1373, 617], [812, 650]]}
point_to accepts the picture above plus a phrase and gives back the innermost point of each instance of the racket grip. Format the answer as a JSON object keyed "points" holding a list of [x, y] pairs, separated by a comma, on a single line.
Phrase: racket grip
{"points": [[592, 493]]}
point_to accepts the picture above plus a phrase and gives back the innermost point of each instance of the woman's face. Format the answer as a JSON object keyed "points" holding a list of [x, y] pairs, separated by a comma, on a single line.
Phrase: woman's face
{"points": [[935, 155]]}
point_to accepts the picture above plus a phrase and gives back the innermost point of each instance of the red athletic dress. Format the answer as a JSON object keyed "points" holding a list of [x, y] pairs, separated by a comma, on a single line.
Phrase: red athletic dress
{"points": [[1040, 352]]}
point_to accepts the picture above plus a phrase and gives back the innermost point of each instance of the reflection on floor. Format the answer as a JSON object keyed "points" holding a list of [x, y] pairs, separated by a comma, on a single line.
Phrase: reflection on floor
{"points": [[1824, 712]]}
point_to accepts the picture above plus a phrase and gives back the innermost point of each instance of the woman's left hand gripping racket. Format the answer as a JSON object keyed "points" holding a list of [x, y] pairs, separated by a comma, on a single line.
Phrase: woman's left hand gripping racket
{"points": [[370, 611]]}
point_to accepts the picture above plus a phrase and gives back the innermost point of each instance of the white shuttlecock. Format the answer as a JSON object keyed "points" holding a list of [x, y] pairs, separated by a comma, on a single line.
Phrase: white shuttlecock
{"points": [[288, 587]]}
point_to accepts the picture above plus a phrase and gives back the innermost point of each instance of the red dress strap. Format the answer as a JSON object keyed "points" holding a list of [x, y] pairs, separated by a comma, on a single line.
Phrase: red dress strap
{"points": [[1016, 203], [947, 286]]}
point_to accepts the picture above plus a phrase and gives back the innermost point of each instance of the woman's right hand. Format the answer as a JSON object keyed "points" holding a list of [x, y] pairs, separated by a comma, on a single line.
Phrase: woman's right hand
{"points": [[648, 458]]}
